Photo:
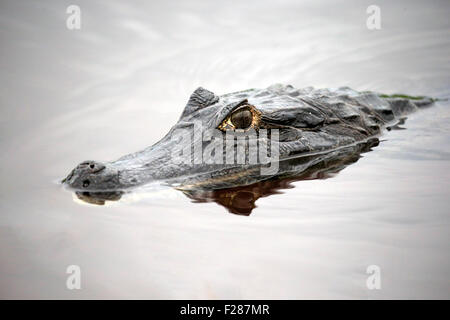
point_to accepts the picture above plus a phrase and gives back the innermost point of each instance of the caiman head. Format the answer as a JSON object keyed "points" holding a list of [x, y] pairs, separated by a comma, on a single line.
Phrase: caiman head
{"points": [[226, 141]]}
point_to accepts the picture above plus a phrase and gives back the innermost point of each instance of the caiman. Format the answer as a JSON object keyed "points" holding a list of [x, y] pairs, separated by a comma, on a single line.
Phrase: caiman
{"points": [[314, 128]]}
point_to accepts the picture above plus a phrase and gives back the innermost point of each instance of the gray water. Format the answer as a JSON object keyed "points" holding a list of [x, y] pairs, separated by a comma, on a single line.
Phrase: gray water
{"points": [[119, 83]]}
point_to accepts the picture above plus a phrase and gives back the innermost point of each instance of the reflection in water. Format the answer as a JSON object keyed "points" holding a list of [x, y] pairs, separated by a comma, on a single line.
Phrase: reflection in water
{"points": [[98, 198], [241, 199]]}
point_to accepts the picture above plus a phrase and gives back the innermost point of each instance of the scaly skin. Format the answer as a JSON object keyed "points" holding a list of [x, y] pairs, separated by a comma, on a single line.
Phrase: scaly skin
{"points": [[315, 125]]}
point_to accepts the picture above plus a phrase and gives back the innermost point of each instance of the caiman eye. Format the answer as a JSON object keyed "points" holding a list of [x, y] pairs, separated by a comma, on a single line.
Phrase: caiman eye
{"points": [[243, 118]]}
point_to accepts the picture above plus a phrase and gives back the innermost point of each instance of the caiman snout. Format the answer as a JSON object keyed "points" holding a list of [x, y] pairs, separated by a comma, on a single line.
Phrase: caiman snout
{"points": [[93, 176]]}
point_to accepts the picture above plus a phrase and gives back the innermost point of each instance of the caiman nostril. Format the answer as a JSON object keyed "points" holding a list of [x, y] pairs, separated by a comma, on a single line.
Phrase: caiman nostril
{"points": [[91, 166], [96, 167], [89, 175]]}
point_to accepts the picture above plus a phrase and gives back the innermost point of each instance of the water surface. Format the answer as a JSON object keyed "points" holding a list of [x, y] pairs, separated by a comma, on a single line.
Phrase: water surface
{"points": [[117, 86]]}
